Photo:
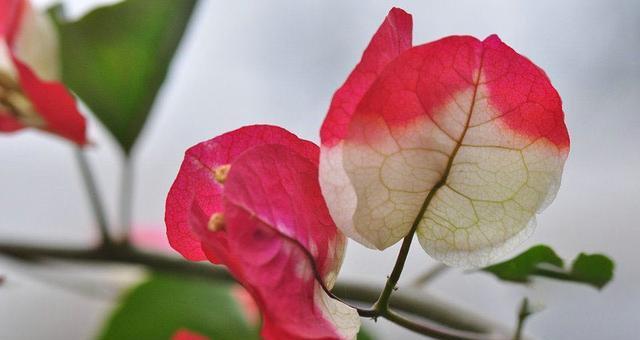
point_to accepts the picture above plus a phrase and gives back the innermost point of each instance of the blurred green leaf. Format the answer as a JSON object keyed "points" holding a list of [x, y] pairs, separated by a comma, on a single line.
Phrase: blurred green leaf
{"points": [[595, 270], [157, 308], [519, 268], [364, 335], [117, 57], [163, 304]]}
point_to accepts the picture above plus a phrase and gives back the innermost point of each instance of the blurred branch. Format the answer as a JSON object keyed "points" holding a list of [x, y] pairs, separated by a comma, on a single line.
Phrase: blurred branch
{"points": [[429, 308], [117, 254], [434, 330], [68, 282]]}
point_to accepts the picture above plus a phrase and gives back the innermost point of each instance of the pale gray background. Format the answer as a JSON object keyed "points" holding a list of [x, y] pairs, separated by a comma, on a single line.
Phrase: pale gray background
{"points": [[279, 62]]}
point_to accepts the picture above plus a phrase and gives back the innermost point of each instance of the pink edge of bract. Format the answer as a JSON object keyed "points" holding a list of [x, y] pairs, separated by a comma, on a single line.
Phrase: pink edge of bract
{"points": [[10, 16], [196, 191], [186, 334], [247, 304], [391, 39], [54, 104], [516, 86], [523, 90], [277, 223]]}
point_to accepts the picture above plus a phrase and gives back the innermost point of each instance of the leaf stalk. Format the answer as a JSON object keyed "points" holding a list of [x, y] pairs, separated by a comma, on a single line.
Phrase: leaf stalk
{"points": [[94, 197]]}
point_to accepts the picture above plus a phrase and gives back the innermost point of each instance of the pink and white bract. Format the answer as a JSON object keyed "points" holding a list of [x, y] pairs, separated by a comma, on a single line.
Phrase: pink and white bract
{"points": [[464, 137], [250, 199], [30, 96]]}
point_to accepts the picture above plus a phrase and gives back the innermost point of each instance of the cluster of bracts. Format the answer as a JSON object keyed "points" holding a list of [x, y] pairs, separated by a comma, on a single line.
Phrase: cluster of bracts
{"points": [[458, 141]]}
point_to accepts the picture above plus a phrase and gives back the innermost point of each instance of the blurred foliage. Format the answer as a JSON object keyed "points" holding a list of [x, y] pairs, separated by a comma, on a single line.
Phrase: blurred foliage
{"points": [[364, 334], [116, 58], [163, 304], [159, 307], [519, 268], [595, 270]]}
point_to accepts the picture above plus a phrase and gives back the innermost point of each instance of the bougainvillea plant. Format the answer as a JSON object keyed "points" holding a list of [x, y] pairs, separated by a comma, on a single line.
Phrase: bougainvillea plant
{"points": [[459, 142]]}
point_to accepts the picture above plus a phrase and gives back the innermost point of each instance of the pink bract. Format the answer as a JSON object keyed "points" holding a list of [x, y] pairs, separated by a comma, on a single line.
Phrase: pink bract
{"points": [[392, 38], [275, 235], [460, 140], [195, 187]]}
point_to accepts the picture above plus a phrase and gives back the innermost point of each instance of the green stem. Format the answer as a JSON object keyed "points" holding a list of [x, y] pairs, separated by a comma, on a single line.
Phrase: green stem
{"points": [[126, 198], [523, 314], [553, 274], [382, 305], [94, 197]]}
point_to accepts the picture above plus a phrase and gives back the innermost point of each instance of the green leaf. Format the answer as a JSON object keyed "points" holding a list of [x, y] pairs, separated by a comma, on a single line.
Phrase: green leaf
{"points": [[519, 268], [595, 270], [157, 308], [364, 335], [163, 304], [116, 58]]}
